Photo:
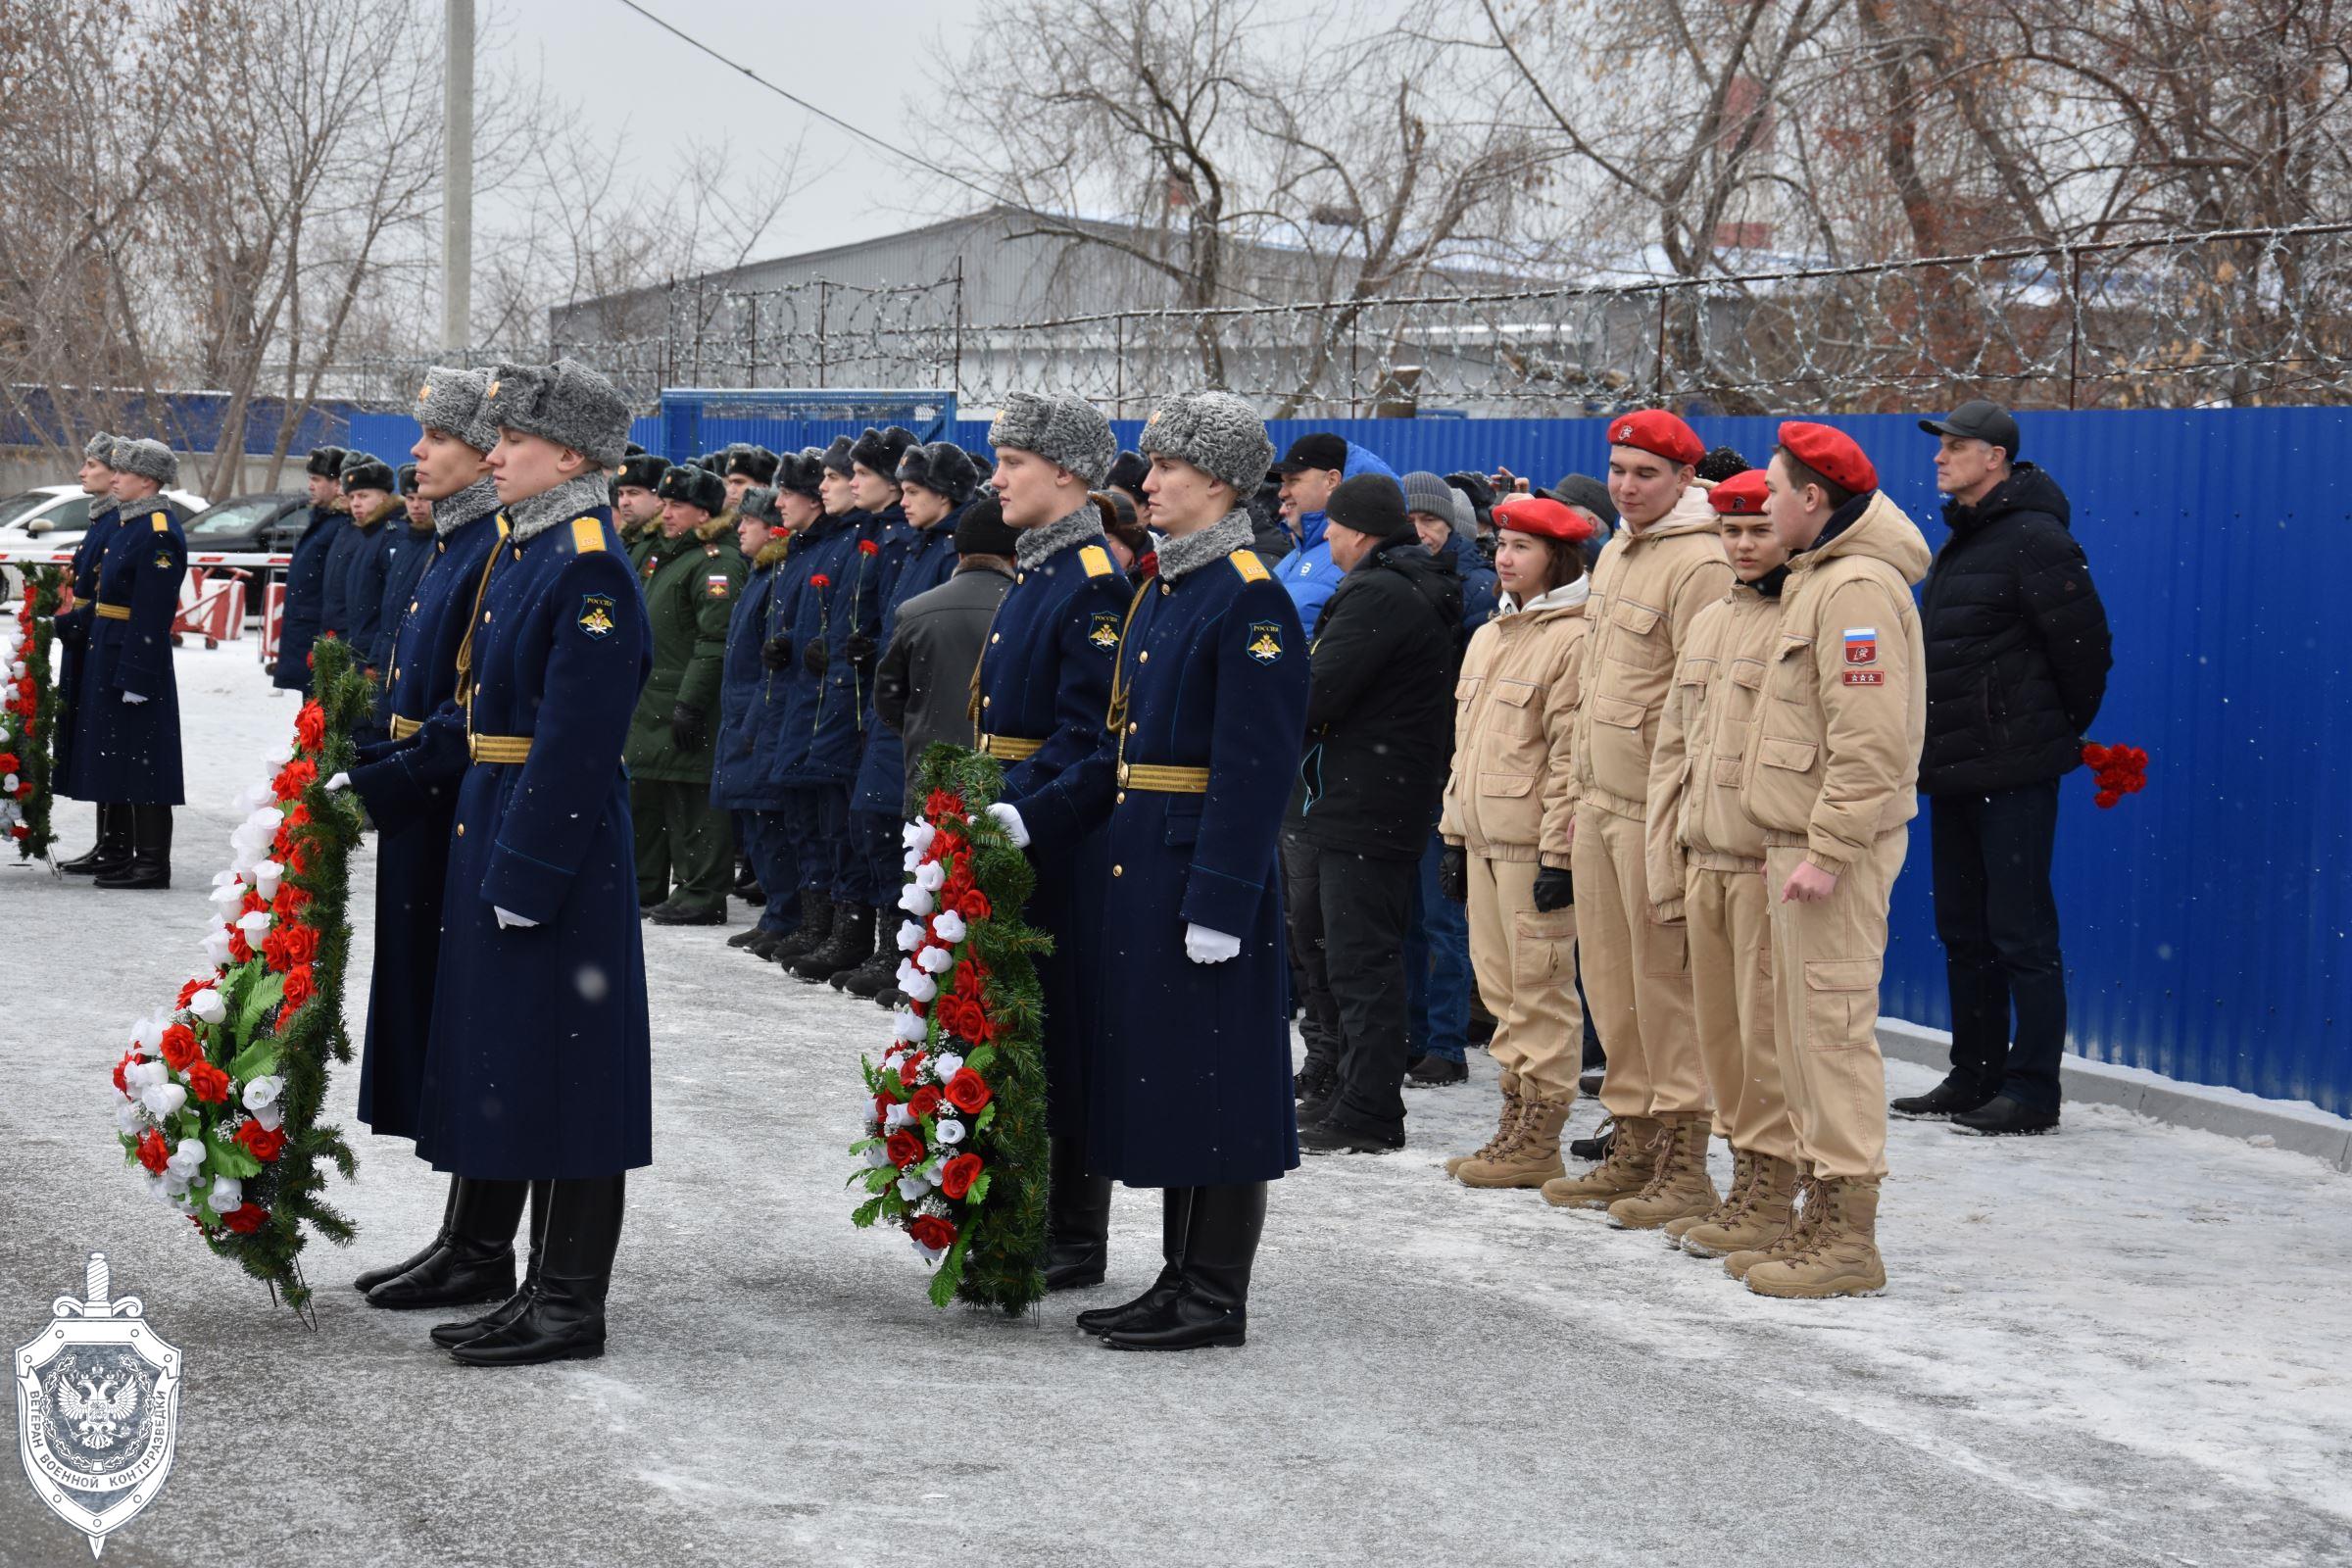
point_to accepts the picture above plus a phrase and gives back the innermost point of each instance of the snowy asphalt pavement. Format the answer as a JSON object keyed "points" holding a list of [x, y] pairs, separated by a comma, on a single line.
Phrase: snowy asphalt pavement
{"points": [[2121, 1345]]}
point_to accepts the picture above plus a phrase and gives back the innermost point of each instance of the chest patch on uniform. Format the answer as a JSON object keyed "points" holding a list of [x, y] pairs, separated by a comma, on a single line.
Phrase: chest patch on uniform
{"points": [[163, 560], [596, 615], [715, 586], [1264, 642], [1104, 630], [1866, 677], [1861, 646]]}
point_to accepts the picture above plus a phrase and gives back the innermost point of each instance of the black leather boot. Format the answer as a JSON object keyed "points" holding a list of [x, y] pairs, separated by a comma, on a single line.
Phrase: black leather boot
{"points": [[1175, 1215], [149, 868], [377, 1276], [476, 1263], [852, 941], [1077, 1219], [565, 1318], [1212, 1306], [880, 971], [450, 1335], [113, 849], [815, 929]]}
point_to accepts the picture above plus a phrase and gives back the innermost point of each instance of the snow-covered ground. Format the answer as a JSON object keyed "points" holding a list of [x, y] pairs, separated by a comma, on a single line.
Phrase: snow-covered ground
{"points": [[2125, 1344]]}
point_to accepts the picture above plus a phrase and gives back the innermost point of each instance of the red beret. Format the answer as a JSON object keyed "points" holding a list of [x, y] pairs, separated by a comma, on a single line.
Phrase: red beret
{"points": [[1832, 454], [1654, 431], [1741, 495], [1541, 514]]}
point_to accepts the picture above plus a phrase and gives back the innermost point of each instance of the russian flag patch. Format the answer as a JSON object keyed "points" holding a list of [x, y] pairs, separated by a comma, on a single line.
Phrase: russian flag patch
{"points": [[1861, 645]]}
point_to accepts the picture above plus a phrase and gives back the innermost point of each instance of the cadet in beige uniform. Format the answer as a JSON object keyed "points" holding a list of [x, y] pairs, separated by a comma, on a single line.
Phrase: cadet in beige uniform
{"points": [[1508, 808], [1708, 854], [1665, 566], [1832, 778]]}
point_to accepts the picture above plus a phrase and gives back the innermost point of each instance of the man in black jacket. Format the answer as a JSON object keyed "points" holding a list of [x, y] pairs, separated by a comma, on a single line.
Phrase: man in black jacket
{"points": [[1379, 733], [2016, 655]]}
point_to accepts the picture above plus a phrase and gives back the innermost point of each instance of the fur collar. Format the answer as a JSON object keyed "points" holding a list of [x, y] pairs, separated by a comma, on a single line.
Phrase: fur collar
{"points": [[1180, 556], [462, 507], [770, 553], [1083, 526], [720, 524], [375, 516], [534, 515]]}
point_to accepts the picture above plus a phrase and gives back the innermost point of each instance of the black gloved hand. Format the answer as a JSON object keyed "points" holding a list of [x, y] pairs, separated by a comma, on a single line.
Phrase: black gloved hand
{"points": [[777, 653], [687, 729], [1453, 874], [813, 657], [860, 648], [1554, 889]]}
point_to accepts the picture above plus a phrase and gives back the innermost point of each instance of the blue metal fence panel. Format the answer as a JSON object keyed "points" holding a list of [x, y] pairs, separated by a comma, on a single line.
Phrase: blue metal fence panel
{"points": [[186, 422]]}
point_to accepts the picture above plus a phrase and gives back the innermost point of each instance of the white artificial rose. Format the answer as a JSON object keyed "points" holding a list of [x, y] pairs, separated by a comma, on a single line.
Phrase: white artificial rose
{"points": [[909, 1028], [269, 1117], [876, 1157], [929, 1254], [216, 948], [208, 1006], [915, 901], [265, 878], [919, 986], [230, 890], [263, 1091], [148, 1035], [127, 1115], [950, 1131], [911, 1186], [226, 1193], [949, 927], [278, 755], [935, 960], [910, 936], [918, 837], [947, 1064], [894, 1116], [255, 923], [164, 1101], [176, 1188], [189, 1159], [931, 877], [893, 1062]]}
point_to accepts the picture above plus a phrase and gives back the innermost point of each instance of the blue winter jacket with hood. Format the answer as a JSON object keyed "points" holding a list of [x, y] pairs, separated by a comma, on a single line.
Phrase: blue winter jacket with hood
{"points": [[1309, 573]]}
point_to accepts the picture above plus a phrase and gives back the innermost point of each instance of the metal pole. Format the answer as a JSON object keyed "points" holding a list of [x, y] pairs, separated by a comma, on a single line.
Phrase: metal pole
{"points": [[955, 374], [457, 183], [2074, 336], [822, 290]]}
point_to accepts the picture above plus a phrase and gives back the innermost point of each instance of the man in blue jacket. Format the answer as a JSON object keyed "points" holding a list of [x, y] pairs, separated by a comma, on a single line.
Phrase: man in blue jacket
{"points": [[1311, 471], [304, 602]]}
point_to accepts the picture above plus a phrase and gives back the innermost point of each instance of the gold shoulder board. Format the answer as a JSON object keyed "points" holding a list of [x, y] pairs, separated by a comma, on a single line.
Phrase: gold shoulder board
{"points": [[587, 537], [1096, 561], [160, 523], [1252, 569]]}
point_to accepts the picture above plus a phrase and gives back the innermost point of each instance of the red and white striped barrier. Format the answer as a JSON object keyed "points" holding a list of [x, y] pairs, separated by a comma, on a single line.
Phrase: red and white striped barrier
{"points": [[54, 558]]}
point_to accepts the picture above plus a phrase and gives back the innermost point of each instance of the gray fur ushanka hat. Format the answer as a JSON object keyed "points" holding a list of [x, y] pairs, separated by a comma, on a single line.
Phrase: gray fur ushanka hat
{"points": [[456, 402], [150, 459], [565, 403], [1065, 430], [1215, 432], [100, 448]]}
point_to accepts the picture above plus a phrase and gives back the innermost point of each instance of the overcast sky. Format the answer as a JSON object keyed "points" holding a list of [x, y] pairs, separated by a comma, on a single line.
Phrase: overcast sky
{"points": [[860, 58]]}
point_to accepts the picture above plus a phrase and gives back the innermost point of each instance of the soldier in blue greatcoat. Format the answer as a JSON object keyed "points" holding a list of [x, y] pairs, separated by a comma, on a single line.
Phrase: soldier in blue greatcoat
{"points": [[1189, 1083], [349, 602], [406, 543], [127, 736], [752, 695], [112, 848], [471, 1257], [1042, 688], [539, 1065], [304, 601]]}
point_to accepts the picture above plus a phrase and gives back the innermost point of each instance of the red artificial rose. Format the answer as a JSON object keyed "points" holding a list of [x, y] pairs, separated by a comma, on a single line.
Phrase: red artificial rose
{"points": [[265, 1144], [301, 943], [240, 951], [9, 763], [128, 1056], [287, 905], [907, 1072], [973, 905], [273, 952], [245, 1219], [293, 778], [904, 1148], [867, 547], [206, 1083], [300, 986], [181, 1046], [253, 902], [2095, 755], [297, 859], [309, 727], [298, 814], [970, 977], [960, 1172], [924, 1102], [968, 1092], [154, 1154], [929, 1230], [188, 993]]}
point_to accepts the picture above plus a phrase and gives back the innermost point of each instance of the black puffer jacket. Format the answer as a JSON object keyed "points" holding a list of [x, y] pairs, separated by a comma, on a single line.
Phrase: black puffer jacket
{"points": [[2016, 639], [1380, 708]]}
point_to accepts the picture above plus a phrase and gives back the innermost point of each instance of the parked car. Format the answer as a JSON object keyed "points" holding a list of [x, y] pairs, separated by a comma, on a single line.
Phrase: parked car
{"points": [[55, 516]]}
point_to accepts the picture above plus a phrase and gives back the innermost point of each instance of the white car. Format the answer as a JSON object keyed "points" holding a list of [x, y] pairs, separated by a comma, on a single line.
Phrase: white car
{"points": [[55, 516]]}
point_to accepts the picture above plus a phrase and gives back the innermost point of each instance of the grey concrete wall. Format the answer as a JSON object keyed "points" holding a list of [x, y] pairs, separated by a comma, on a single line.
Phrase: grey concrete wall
{"points": [[24, 468]]}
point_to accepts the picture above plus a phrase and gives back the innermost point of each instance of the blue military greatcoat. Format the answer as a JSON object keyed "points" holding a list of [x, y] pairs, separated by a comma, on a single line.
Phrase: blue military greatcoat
{"points": [[412, 859], [539, 1061], [821, 724], [83, 575], [127, 752], [354, 585], [1188, 1078], [304, 598], [753, 699], [408, 551], [919, 561], [1045, 678]]}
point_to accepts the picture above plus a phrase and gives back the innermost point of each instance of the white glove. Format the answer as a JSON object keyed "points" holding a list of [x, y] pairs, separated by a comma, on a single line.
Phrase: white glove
{"points": [[1011, 820], [1204, 946], [508, 919], [339, 783], [132, 697]]}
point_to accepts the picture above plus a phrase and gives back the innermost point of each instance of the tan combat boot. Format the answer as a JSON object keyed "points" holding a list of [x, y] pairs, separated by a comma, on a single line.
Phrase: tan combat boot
{"points": [[1841, 1258], [1512, 1107], [1804, 1214], [1735, 1198], [1679, 1184], [1530, 1156], [1633, 1155], [1761, 1218]]}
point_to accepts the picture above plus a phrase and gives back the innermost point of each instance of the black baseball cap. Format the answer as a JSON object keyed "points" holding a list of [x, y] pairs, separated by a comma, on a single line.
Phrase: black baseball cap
{"points": [[1979, 419], [1320, 450]]}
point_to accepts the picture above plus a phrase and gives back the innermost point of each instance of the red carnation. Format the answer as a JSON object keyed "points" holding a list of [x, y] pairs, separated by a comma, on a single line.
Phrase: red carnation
{"points": [[2136, 783], [2105, 799], [207, 1083], [904, 1148], [293, 778], [820, 580], [2095, 755], [867, 547], [245, 1219], [957, 1180], [929, 1230], [300, 986], [944, 803], [968, 1092], [265, 1144], [180, 1048], [309, 727], [924, 1102], [154, 1154]]}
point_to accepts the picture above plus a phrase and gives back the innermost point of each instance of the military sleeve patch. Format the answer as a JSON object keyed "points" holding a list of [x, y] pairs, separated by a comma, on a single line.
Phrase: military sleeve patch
{"points": [[1104, 630], [1861, 645], [716, 586], [596, 615], [1264, 642], [163, 560]]}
